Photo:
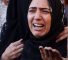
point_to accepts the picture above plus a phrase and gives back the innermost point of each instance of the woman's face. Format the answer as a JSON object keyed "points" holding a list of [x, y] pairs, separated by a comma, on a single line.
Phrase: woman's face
{"points": [[39, 17]]}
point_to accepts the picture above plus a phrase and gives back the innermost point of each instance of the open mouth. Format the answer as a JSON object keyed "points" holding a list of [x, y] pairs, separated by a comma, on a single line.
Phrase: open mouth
{"points": [[38, 26]]}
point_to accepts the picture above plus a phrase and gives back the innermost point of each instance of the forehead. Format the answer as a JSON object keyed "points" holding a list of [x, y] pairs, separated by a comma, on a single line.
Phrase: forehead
{"points": [[39, 3]]}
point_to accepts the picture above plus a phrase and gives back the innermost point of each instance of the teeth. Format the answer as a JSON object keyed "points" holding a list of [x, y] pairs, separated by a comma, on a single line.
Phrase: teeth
{"points": [[38, 25]]}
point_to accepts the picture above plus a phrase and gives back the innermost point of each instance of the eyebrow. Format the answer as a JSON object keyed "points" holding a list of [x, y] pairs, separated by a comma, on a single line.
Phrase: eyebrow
{"points": [[40, 8]]}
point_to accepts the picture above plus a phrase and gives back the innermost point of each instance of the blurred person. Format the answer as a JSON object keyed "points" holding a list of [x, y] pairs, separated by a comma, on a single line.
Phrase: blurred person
{"points": [[3, 9], [6, 2]]}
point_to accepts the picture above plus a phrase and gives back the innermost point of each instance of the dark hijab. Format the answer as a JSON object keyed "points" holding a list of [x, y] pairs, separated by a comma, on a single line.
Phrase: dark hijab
{"points": [[16, 27]]}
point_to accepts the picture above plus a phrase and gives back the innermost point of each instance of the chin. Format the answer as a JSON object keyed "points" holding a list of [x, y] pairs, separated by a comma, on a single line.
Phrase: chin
{"points": [[38, 35]]}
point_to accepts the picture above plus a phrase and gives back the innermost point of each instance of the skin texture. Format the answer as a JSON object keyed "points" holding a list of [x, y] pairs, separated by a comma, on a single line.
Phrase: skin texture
{"points": [[39, 15]]}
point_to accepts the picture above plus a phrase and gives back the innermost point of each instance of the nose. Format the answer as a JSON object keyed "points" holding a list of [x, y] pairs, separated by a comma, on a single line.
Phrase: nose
{"points": [[37, 15]]}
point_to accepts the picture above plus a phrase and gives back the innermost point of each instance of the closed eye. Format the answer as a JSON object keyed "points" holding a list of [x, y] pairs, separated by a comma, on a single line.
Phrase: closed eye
{"points": [[45, 11], [31, 10]]}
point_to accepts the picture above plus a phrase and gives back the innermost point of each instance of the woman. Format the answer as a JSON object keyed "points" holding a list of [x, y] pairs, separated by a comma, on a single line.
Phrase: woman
{"points": [[44, 19]]}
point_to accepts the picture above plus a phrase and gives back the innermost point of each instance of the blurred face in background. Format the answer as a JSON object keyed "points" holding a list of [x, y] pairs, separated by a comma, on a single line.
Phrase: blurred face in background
{"points": [[6, 2], [39, 17]]}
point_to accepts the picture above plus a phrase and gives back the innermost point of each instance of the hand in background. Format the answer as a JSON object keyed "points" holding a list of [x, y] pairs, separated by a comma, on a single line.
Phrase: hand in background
{"points": [[63, 34]]}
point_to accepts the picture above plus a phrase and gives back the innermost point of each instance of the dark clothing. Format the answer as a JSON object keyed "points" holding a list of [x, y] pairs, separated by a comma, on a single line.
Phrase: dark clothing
{"points": [[31, 49]]}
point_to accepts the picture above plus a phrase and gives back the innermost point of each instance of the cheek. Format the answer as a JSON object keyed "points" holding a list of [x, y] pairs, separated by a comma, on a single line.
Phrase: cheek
{"points": [[29, 17], [48, 22], [47, 18]]}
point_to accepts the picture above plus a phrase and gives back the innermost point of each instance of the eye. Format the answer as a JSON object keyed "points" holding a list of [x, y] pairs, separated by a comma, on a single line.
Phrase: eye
{"points": [[31, 10], [46, 11]]}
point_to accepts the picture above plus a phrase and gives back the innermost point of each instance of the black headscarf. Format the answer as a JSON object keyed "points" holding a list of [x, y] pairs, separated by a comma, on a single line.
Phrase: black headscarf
{"points": [[16, 27]]}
